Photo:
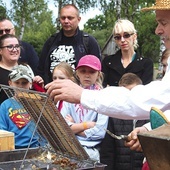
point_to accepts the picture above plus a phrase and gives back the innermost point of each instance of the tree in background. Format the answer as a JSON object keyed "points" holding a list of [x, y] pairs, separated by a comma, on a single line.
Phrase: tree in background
{"points": [[83, 6], [32, 20], [3, 10], [149, 42], [39, 30], [99, 28], [24, 11]]}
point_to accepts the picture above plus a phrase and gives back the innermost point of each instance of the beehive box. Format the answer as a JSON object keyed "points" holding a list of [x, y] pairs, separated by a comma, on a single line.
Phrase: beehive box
{"points": [[6, 140]]}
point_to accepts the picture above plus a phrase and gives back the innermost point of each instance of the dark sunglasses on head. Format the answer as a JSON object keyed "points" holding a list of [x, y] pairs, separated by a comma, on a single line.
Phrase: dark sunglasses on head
{"points": [[126, 35], [7, 31]]}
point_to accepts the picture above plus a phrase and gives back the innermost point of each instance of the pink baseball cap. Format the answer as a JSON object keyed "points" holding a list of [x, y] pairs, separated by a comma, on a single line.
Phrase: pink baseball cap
{"points": [[90, 61]]}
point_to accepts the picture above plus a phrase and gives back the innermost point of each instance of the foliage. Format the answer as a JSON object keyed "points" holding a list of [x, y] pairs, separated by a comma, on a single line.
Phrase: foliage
{"points": [[97, 23], [37, 35], [149, 42], [83, 6], [24, 11], [33, 21], [2, 12], [100, 35]]}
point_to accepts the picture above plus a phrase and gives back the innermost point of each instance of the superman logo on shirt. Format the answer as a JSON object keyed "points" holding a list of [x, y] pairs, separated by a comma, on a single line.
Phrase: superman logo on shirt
{"points": [[19, 117]]}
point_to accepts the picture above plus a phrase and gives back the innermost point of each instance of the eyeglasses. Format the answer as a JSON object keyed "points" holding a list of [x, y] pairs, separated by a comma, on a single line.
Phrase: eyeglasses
{"points": [[126, 35], [7, 31], [11, 47]]}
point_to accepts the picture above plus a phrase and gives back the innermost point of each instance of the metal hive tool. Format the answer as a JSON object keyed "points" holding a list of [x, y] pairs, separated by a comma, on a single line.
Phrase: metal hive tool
{"points": [[49, 121]]}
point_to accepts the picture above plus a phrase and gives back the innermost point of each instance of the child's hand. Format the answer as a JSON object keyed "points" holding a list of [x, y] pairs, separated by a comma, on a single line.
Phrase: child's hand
{"points": [[91, 124], [69, 118], [38, 80]]}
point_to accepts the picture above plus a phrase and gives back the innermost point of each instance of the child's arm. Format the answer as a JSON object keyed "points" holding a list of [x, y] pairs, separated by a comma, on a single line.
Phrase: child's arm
{"points": [[78, 128]]}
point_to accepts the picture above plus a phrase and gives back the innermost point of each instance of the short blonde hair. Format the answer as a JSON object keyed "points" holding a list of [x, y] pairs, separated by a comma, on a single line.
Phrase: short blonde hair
{"points": [[124, 25]]}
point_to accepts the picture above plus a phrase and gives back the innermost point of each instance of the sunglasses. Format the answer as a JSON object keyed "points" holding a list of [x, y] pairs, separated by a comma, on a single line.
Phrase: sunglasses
{"points": [[7, 31], [11, 47], [126, 35]]}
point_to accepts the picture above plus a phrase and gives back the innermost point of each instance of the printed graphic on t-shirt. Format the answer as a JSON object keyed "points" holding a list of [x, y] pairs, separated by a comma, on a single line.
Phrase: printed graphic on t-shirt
{"points": [[62, 53], [19, 117]]}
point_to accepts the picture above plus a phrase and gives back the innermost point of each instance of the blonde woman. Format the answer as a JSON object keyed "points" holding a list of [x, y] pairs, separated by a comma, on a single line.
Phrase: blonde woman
{"points": [[126, 59]]}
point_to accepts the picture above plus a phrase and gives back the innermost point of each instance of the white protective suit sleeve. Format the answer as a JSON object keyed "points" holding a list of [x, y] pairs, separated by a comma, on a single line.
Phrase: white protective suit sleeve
{"points": [[122, 103]]}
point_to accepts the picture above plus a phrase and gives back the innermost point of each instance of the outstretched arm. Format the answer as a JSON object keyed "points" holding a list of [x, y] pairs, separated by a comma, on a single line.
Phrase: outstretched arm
{"points": [[65, 90], [112, 101]]}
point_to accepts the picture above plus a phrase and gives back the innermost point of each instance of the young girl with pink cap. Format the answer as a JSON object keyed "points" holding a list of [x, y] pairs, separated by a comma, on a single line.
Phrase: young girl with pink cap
{"points": [[87, 125]]}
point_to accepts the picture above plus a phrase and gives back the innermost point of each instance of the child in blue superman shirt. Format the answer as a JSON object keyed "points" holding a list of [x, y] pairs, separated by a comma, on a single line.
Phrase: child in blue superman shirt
{"points": [[13, 116]]}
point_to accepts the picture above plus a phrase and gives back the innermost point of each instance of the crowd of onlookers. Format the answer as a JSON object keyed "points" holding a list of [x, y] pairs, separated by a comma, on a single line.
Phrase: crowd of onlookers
{"points": [[72, 54]]}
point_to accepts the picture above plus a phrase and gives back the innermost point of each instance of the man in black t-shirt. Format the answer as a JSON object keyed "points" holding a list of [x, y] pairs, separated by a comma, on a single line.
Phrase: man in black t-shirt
{"points": [[66, 45]]}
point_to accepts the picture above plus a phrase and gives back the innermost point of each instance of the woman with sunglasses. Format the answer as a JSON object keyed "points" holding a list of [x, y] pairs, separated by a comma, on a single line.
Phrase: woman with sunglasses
{"points": [[125, 60]]}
